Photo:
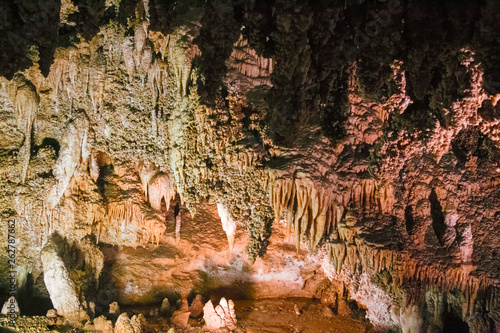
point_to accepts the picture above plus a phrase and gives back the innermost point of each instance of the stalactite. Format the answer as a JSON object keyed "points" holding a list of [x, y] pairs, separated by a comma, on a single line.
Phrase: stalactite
{"points": [[159, 188], [228, 225], [374, 260], [26, 102], [310, 209], [313, 209], [127, 212], [336, 255], [93, 257], [178, 222]]}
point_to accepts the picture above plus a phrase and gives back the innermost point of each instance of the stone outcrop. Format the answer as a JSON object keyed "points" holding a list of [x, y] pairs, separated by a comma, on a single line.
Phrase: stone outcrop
{"points": [[123, 324], [11, 307], [222, 316], [196, 307], [61, 288]]}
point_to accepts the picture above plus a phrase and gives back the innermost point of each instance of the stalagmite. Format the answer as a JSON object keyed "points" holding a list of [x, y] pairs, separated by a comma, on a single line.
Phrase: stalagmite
{"points": [[123, 324], [228, 224], [61, 288], [10, 307], [212, 320], [178, 222]]}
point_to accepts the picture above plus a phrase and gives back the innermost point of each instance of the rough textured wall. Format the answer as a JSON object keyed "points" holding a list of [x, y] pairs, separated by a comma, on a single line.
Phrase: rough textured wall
{"points": [[371, 128]]}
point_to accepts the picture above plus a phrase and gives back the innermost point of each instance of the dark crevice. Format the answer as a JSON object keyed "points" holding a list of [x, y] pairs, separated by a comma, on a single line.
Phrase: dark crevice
{"points": [[492, 326], [452, 323], [34, 299], [467, 143], [106, 169], [49, 142], [437, 217], [409, 222]]}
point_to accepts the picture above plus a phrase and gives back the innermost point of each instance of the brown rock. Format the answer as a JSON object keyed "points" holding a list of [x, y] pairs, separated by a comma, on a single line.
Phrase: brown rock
{"points": [[343, 309], [212, 319], [180, 318], [52, 313], [123, 324], [184, 305], [329, 297], [196, 307], [103, 325], [114, 308], [60, 321], [328, 312], [137, 323]]}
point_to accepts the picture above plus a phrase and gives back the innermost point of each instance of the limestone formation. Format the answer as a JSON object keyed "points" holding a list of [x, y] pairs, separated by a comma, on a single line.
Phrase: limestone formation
{"points": [[103, 325], [212, 320], [52, 316], [165, 306], [62, 289], [178, 224], [180, 318], [123, 324], [137, 322], [411, 320], [196, 308], [222, 316], [114, 308], [10, 307], [367, 133], [228, 225], [52, 313]]}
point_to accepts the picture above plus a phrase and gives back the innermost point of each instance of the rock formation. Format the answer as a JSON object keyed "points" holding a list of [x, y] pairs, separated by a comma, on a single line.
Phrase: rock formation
{"points": [[222, 316], [123, 324], [103, 325], [196, 307], [10, 307], [228, 225], [61, 287], [354, 145]]}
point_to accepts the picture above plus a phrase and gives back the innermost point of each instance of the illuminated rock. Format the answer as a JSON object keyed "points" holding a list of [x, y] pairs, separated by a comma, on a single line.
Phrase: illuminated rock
{"points": [[61, 288], [10, 307]]}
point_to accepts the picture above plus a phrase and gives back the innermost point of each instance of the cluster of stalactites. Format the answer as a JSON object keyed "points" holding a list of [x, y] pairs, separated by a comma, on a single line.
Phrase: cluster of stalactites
{"points": [[253, 68], [93, 258], [358, 256], [315, 210], [116, 214]]}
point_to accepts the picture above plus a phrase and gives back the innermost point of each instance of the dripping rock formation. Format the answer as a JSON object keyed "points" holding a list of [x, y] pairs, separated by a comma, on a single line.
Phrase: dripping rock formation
{"points": [[323, 165]]}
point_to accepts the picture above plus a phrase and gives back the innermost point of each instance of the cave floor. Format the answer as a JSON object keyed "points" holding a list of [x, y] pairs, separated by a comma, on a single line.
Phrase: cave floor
{"points": [[272, 315]]}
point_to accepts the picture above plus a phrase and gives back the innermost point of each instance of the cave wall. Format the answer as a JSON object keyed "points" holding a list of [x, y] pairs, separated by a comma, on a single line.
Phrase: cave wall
{"points": [[375, 140]]}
